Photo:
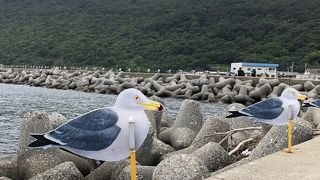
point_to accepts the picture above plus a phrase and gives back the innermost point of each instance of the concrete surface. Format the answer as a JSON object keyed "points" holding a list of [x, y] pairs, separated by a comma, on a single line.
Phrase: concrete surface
{"points": [[303, 163]]}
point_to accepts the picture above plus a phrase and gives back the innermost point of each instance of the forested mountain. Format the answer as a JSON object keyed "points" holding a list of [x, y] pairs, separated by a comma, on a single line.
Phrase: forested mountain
{"points": [[166, 34]]}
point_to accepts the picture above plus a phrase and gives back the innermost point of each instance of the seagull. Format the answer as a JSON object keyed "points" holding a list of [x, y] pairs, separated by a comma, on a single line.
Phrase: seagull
{"points": [[103, 134], [313, 103], [274, 111]]}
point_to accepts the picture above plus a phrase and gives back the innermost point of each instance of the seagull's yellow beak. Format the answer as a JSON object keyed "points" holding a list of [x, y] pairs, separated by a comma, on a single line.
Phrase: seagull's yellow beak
{"points": [[152, 105], [302, 97]]}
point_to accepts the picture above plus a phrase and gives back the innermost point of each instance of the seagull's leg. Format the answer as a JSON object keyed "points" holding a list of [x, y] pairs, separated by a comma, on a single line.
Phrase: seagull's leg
{"points": [[132, 146], [290, 136], [290, 129]]}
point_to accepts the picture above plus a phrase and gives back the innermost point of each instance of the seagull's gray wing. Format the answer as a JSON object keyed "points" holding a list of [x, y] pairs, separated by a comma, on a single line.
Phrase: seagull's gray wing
{"points": [[316, 103], [93, 131], [267, 109]]}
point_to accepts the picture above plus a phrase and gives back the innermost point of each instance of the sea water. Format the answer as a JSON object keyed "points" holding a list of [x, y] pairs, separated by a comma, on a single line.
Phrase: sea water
{"points": [[15, 100]]}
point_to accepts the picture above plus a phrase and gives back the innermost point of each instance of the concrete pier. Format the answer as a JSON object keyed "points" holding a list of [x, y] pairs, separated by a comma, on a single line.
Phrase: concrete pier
{"points": [[303, 163]]}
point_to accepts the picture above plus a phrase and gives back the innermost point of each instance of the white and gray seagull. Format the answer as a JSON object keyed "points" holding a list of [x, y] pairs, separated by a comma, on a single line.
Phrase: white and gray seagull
{"points": [[102, 134], [273, 111]]}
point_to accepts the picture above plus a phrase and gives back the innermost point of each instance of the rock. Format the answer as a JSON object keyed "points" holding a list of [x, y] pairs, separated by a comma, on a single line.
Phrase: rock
{"points": [[175, 87], [158, 150], [181, 167], [143, 173], [56, 71], [175, 77], [126, 85], [187, 150], [276, 139], [183, 78], [9, 168], [310, 95], [190, 89], [211, 98], [239, 122], [166, 120], [156, 76], [144, 152], [108, 170], [261, 92], [243, 97], [209, 130], [265, 128], [316, 90], [156, 86], [278, 90], [155, 117], [237, 87], [298, 87], [4, 178], [36, 161], [308, 86], [34, 122], [182, 137], [203, 94], [56, 120], [185, 127], [239, 82], [222, 83], [66, 170], [228, 98], [233, 165], [213, 156], [271, 82], [313, 116]]}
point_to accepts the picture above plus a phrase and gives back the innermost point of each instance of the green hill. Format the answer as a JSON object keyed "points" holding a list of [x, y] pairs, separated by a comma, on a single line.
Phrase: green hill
{"points": [[166, 34]]}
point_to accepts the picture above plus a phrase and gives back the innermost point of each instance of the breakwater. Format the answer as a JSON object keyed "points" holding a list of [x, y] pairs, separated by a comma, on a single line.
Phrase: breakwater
{"points": [[244, 90]]}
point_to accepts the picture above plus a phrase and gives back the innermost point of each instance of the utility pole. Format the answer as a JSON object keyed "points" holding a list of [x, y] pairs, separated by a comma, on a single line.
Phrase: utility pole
{"points": [[305, 67]]}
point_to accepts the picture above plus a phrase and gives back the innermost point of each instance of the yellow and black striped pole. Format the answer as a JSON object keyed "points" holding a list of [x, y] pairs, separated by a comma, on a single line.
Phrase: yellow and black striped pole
{"points": [[132, 146]]}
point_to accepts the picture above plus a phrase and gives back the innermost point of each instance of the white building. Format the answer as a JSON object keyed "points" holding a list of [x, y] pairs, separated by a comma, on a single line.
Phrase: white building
{"points": [[262, 69]]}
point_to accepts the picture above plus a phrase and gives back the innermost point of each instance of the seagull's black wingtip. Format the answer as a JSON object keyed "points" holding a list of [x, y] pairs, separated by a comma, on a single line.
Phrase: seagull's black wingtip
{"points": [[235, 114], [41, 141], [307, 105]]}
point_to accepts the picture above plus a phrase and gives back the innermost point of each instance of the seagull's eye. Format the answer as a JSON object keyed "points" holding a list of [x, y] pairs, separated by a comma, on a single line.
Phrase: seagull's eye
{"points": [[135, 97]]}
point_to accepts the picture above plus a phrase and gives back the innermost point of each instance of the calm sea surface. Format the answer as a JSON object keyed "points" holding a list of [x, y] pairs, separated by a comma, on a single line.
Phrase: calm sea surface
{"points": [[15, 100]]}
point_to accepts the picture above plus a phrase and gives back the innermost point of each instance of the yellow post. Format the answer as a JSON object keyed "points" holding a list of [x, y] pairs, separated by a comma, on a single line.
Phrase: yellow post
{"points": [[289, 136], [133, 168], [132, 146], [290, 129]]}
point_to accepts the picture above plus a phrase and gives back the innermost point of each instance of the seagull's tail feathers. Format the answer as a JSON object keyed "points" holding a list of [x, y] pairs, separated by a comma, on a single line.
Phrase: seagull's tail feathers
{"points": [[41, 141], [235, 114], [307, 105]]}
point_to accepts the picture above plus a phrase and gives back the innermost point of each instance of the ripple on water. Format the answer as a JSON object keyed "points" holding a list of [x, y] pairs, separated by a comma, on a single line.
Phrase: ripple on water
{"points": [[15, 100]]}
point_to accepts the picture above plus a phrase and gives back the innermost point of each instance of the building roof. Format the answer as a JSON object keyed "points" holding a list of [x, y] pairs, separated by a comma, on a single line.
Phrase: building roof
{"points": [[259, 64], [314, 71]]}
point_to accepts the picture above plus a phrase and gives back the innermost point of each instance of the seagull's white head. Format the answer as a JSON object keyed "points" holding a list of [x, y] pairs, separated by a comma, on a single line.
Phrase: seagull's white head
{"points": [[291, 93], [134, 99]]}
